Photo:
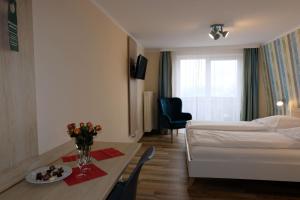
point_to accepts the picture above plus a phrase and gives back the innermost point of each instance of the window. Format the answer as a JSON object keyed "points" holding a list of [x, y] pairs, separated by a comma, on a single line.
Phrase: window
{"points": [[209, 86]]}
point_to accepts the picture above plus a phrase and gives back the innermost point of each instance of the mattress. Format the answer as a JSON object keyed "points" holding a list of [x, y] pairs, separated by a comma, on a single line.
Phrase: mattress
{"points": [[281, 139], [274, 146], [245, 155]]}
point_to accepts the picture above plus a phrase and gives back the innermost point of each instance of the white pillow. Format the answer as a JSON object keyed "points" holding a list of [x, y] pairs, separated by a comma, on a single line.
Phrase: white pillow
{"points": [[271, 121], [279, 121], [293, 133], [288, 122]]}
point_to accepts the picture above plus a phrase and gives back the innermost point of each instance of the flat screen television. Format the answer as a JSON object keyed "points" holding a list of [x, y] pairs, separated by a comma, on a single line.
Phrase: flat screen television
{"points": [[140, 68]]}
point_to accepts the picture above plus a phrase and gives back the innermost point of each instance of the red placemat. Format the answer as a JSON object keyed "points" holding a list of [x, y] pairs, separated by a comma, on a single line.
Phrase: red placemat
{"points": [[112, 152], [92, 173], [103, 154], [99, 155], [69, 158]]}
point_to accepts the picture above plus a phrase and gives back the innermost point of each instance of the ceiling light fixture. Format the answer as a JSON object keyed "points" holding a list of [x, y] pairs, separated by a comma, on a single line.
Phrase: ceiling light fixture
{"points": [[217, 31]]}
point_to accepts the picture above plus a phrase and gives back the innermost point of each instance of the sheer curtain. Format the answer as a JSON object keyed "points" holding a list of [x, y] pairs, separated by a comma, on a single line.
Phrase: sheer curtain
{"points": [[210, 86]]}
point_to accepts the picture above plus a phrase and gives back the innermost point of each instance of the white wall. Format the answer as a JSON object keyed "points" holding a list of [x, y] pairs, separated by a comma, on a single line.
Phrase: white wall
{"points": [[81, 71]]}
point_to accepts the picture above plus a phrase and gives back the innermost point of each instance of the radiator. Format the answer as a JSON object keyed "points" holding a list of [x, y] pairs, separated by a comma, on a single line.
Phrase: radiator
{"points": [[149, 104]]}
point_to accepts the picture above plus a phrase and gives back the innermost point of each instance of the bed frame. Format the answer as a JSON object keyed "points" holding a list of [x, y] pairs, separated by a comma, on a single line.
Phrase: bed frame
{"points": [[251, 170]]}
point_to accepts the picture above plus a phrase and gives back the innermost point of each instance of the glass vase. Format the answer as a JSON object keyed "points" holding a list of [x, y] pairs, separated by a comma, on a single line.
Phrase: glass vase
{"points": [[84, 157]]}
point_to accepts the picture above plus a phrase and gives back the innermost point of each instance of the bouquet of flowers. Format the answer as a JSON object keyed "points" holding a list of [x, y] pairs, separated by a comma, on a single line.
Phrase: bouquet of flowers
{"points": [[83, 134]]}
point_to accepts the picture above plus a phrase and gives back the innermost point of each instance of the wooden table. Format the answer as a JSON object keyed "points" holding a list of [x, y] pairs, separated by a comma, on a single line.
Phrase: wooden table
{"points": [[95, 189]]}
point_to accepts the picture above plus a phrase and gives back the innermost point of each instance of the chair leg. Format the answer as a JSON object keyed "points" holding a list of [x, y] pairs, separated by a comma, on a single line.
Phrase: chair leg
{"points": [[177, 132], [171, 135]]}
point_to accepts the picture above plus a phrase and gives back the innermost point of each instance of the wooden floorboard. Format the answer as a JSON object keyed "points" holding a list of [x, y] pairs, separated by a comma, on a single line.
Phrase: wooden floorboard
{"points": [[165, 177]]}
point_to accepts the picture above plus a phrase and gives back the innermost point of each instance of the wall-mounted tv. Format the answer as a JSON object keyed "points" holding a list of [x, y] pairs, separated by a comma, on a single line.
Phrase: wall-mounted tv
{"points": [[140, 68]]}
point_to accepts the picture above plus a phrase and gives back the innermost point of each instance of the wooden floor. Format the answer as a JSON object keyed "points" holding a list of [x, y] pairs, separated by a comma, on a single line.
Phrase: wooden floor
{"points": [[165, 177]]}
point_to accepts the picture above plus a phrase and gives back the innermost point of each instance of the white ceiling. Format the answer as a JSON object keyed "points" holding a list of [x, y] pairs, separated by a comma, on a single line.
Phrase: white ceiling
{"points": [[186, 23]]}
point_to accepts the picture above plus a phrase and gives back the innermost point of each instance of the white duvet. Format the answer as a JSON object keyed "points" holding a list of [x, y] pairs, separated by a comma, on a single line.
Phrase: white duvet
{"points": [[280, 139], [226, 126]]}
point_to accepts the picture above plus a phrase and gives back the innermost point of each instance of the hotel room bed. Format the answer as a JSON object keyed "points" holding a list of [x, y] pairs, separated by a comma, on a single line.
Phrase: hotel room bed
{"points": [[264, 149]]}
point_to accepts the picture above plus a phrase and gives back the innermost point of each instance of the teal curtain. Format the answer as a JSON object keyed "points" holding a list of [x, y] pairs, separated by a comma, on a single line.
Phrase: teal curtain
{"points": [[165, 74], [165, 79], [250, 93]]}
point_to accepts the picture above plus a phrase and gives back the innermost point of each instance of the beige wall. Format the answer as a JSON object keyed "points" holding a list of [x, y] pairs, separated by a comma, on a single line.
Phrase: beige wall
{"points": [[81, 71], [18, 136], [135, 90], [151, 80]]}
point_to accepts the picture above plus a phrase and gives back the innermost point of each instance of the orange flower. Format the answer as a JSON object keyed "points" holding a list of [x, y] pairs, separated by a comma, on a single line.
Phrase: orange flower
{"points": [[77, 131], [98, 128], [83, 129], [71, 127], [89, 125]]}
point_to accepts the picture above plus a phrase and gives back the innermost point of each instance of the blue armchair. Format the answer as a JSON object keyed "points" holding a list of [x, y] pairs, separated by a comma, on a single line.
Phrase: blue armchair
{"points": [[171, 115]]}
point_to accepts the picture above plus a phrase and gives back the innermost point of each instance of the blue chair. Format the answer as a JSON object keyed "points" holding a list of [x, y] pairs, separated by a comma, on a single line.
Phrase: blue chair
{"points": [[171, 115], [126, 190]]}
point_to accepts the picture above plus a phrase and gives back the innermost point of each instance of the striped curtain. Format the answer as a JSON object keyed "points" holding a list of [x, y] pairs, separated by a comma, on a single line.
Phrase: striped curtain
{"points": [[250, 92]]}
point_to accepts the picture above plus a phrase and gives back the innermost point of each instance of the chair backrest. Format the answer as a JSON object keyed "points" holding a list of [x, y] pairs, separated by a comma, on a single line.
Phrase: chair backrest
{"points": [[176, 105], [170, 106], [129, 192], [164, 106]]}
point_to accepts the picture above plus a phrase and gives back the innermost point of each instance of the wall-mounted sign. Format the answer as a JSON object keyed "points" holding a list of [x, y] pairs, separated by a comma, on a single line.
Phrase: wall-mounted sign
{"points": [[13, 25]]}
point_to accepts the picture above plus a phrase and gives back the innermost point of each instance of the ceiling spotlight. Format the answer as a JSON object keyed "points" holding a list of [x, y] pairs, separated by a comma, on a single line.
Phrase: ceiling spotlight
{"points": [[225, 34], [217, 31], [214, 35], [211, 35]]}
